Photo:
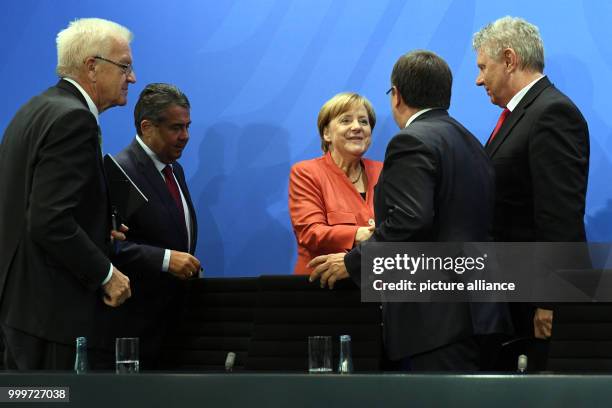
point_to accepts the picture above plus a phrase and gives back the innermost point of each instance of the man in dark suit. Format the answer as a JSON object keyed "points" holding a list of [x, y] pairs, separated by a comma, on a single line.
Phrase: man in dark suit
{"points": [[54, 212], [158, 252], [539, 149], [436, 185]]}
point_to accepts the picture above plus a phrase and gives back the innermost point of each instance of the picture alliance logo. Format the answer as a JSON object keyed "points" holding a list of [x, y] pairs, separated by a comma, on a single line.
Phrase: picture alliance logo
{"points": [[414, 264]]}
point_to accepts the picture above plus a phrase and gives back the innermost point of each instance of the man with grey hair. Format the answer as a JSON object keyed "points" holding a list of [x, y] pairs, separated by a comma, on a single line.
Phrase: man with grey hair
{"points": [[157, 254], [55, 225], [539, 148]]}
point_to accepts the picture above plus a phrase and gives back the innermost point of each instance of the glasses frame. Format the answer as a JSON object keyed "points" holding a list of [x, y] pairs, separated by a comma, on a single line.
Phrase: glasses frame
{"points": [[127, 69], [390, 90]]}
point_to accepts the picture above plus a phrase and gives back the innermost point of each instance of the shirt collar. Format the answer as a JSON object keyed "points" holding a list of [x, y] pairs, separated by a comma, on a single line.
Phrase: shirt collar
{"points": [[416, 115], [520, 94], [159, 165], [90, 103]]}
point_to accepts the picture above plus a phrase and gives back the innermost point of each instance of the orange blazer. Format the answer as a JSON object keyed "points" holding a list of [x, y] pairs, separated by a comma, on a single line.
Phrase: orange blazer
{"points": [[326, 209]]}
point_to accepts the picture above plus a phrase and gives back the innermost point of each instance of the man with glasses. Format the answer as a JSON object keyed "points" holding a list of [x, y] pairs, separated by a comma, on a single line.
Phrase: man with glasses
{"points": [[55, 224], [436, 186]]}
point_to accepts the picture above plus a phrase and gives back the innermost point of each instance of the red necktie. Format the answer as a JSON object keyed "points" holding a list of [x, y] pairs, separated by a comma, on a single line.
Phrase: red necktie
{"points": [[500, 122], [174, 190]]}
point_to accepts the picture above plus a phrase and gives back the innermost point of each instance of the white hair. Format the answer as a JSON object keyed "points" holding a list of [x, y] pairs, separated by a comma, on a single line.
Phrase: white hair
{"points": [[83, 38], [516, 33]]}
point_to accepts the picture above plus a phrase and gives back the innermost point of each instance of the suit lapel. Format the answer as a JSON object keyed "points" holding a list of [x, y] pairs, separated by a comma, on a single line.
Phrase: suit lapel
{"points": [[150, 173], [516, 115], [505, 130]]}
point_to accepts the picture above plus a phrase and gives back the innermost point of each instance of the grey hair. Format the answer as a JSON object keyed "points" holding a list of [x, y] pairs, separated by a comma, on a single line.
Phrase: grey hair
{"points": [[83, 38], [516, 33]]}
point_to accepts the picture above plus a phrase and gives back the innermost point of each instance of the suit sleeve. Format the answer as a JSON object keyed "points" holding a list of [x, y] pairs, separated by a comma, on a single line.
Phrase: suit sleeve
{"points": [[133, 256], [408, 180], [309, 216], [559, 161], [65, 169]]}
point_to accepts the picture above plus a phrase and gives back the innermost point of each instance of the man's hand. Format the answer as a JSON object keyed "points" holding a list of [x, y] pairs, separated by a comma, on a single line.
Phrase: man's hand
{"points": [[119, 235], [117, 289], [183, 265], [328, 269], [364, 233], [542, 323]]}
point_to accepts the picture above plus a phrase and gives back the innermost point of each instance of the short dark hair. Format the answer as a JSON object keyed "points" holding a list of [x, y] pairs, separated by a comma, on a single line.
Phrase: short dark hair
{"points": [[423, 79], [153, 102]]}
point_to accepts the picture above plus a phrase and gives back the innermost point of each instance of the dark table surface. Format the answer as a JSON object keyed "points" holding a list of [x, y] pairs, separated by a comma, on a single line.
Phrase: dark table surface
{"points": [[304, 390]]}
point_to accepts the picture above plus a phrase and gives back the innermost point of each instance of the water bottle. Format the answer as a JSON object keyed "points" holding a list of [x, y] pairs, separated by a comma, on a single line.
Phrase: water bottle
{"points": [[80, 362], [345, 363]]}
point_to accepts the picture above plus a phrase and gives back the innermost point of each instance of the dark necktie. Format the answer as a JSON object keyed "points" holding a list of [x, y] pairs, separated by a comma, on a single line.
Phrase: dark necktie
{"points": [[174, 191], [500, 122]]}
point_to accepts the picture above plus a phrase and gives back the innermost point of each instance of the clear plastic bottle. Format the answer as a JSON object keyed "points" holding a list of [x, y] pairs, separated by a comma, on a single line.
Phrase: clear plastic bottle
{"points": [[345, 363], [81, 364]]}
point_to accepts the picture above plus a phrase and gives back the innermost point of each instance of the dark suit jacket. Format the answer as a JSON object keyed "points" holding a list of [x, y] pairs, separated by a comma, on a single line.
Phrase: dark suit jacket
{"points": [[541, 161], [436, 185], [54, 217], [153, 228]]}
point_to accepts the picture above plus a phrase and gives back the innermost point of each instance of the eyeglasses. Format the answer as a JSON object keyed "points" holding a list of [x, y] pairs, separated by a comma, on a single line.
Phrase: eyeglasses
{"points": [[127, 69], [389, 91]]}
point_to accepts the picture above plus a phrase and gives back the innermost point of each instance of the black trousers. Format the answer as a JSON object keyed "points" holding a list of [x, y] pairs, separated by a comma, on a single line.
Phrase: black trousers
{"points": [[23, 351], [464, 355]]}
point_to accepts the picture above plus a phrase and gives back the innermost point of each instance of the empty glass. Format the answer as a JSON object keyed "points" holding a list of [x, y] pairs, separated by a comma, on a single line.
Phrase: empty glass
{"points": [[319, 354]]}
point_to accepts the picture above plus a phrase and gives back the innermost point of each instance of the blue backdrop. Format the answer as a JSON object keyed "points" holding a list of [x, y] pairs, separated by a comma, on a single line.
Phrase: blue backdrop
{"points": [[257, 73]]}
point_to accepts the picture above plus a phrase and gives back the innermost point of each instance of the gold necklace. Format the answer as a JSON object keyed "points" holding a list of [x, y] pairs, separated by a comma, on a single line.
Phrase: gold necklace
{"points": [[358, 176]]}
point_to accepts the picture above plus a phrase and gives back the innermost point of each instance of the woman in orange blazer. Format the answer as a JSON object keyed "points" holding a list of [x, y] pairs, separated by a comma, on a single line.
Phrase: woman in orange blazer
{"points": [[331, 197]]}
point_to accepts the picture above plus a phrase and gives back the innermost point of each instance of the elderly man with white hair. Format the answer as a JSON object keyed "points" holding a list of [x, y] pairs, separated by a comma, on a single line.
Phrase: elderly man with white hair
{"points": [[55, 224]]}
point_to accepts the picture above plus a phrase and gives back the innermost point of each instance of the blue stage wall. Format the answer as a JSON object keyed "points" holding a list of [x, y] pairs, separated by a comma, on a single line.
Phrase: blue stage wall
{"points": [[257, 73]]}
